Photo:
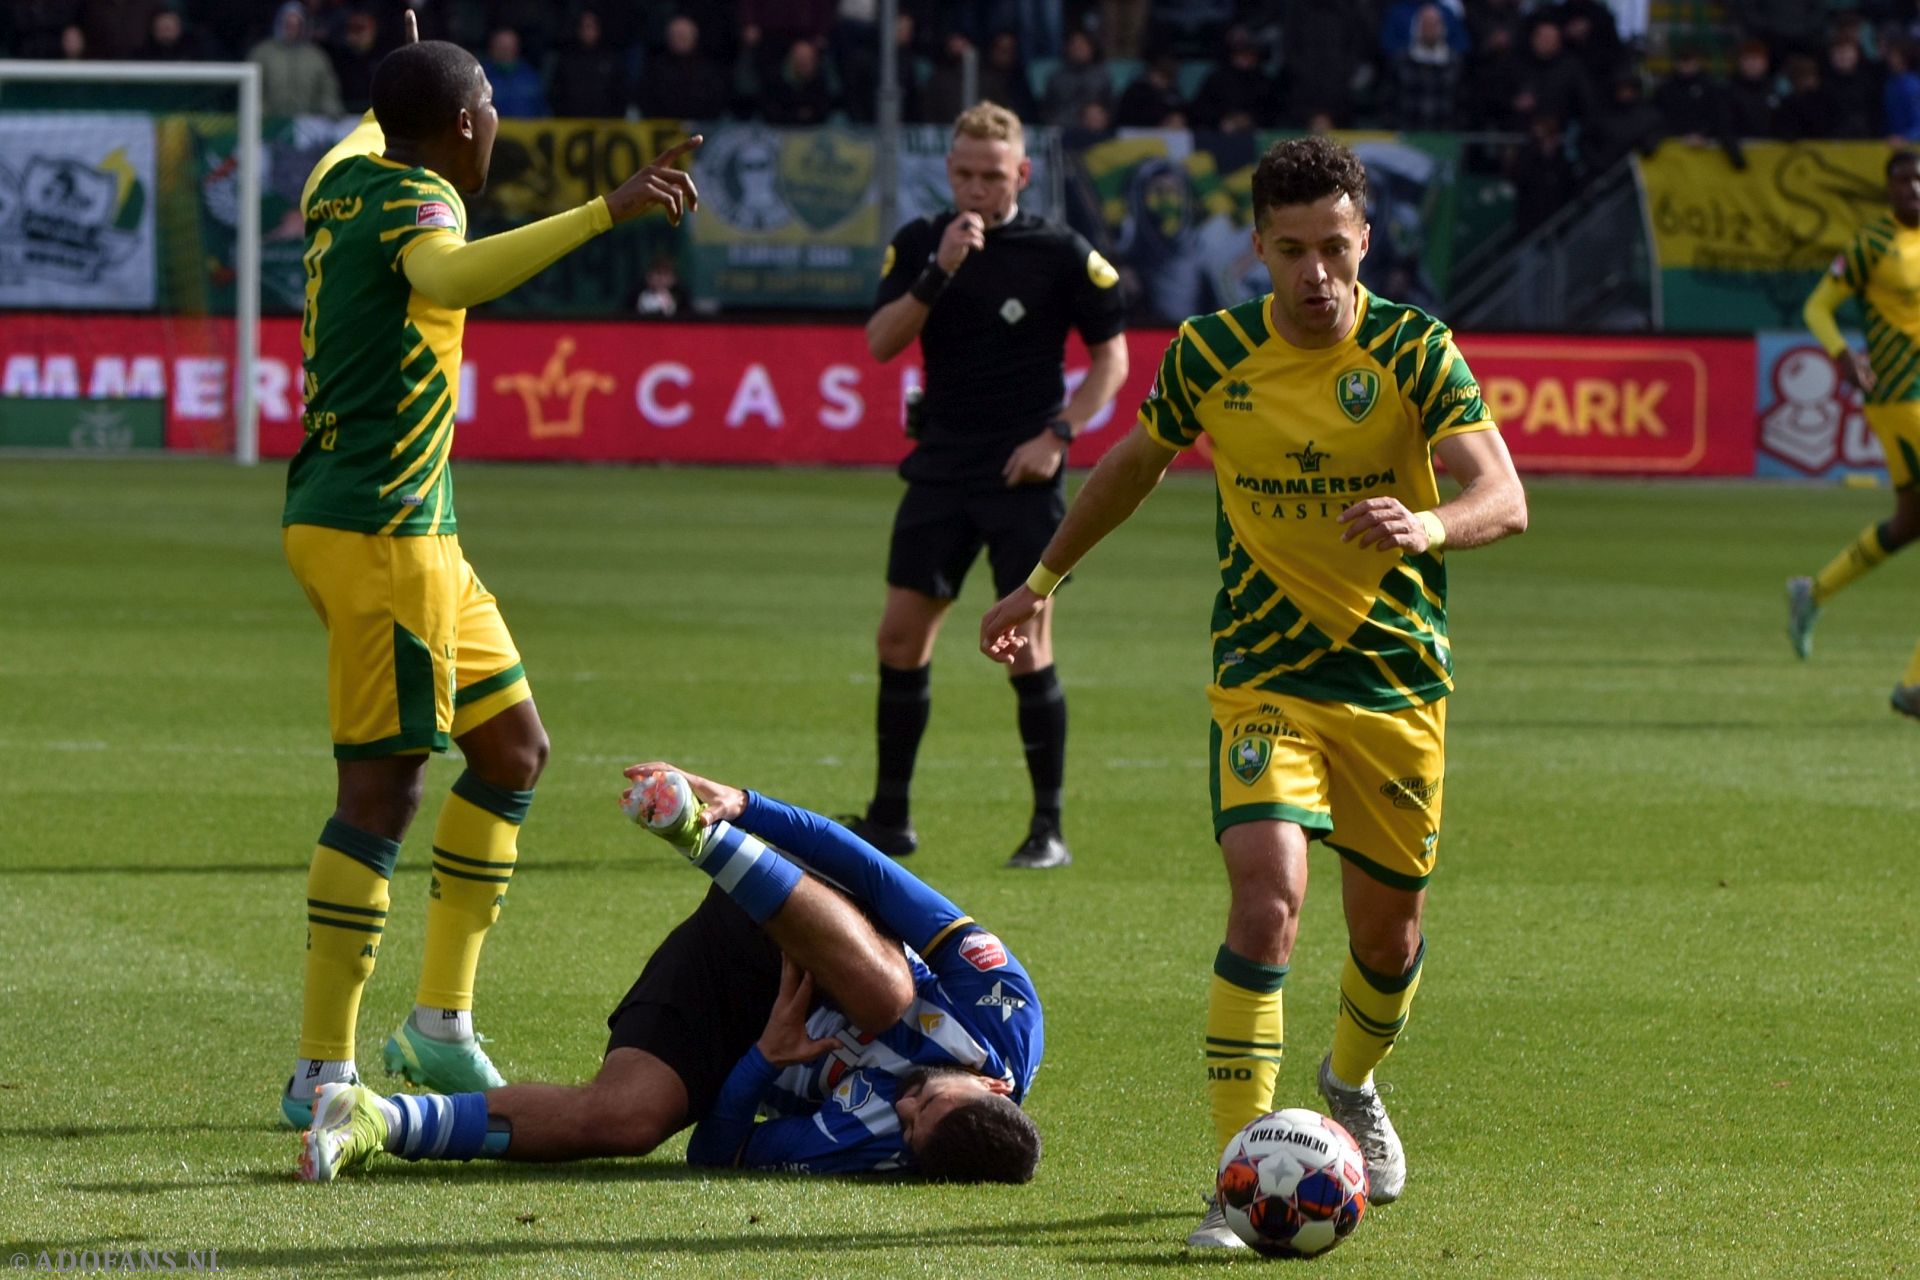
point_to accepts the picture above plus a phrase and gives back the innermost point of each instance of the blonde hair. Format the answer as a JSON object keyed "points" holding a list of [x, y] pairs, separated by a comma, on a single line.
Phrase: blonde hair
{"points": [[989, 120]]}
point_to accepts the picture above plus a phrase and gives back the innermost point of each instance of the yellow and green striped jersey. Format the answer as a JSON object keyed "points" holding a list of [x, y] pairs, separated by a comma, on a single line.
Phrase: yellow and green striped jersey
{"points": [[382, 378], [1297, 436], [1882, 267]]}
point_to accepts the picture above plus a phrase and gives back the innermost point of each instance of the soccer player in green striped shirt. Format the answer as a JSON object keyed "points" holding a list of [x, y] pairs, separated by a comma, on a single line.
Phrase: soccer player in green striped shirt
{"points": [[1881, 267], [417, 653]]}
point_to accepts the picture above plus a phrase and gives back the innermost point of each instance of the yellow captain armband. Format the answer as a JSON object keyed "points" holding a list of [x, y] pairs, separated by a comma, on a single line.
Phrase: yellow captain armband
{"points": [[1043, 580], [1436, 532]]}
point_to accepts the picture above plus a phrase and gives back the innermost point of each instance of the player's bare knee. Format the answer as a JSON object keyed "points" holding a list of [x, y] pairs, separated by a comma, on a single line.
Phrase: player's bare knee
{"points": [[880, 997], [621, 1122], [1904, 525], [1389, 951]]}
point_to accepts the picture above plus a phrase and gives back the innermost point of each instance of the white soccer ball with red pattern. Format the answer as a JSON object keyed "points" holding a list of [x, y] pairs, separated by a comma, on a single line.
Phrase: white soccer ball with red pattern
{"points": [[1293, 1184]]}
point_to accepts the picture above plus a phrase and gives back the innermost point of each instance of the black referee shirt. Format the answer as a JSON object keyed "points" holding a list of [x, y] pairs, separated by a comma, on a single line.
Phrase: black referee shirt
{"points": [[994, 345]]}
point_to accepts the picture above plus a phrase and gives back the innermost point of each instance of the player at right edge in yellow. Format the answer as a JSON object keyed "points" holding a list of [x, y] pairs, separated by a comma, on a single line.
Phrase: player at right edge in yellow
{"points": [[1325, 406], [1881, 267]]}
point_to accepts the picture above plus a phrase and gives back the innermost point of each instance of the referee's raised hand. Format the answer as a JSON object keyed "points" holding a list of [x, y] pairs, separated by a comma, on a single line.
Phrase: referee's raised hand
{"points": [[967, 232]]}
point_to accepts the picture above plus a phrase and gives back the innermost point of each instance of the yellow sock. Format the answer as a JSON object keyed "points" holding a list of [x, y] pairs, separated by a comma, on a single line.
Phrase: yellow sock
{"points": [[474, 849], [1243, 1041], [1863, 553], [346, 915], [1373, 1008], [1913, 668]]}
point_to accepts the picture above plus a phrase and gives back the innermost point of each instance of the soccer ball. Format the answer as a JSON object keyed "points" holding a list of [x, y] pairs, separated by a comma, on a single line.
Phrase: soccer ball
{"points": [[1293, 1184]]}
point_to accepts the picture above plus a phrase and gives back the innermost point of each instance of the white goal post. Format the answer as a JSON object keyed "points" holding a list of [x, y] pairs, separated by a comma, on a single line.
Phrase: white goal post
{"points": [[244, 77]]}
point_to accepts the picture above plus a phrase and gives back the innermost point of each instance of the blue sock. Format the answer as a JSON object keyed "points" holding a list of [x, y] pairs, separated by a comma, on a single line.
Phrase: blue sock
{"points": [[440, 1127], [750, 872]]}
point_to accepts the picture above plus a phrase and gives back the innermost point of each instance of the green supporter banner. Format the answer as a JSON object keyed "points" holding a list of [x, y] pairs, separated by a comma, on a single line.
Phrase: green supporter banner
{"points": [[791, 218], [1739, 249], [1173, 210]]}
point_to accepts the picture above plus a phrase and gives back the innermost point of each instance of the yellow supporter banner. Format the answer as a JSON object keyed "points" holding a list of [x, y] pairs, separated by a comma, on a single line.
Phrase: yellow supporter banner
{"points": [[1792, 208]]}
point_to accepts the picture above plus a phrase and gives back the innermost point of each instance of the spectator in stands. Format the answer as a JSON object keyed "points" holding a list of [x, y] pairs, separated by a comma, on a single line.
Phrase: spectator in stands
{"points": [[800, 93], [1855, 86], [1544, 177], [73, 43], [38, 24], [1009, 67], [588, 79], [1493, 82], [1690, 104], [681, 81], [354, 55], [1785, 26], [1426, 76], [853, 50], [295, 77], [1626, 124], [1237, 95], [171, 39], [517, 92], [116, 28], [1900, 102], [1153, 100], [1095, 117], [662, 296], [1551, 82], [1399, 26], [1490, 16], [1326, 46], [1807, 111], [1081, 78], [1750, 96], [943, 96], [1592, 38]]}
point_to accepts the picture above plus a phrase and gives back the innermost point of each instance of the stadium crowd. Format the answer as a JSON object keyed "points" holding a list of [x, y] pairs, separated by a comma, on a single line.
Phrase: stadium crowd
{"points": [[1567, 69], [1574, 85]]}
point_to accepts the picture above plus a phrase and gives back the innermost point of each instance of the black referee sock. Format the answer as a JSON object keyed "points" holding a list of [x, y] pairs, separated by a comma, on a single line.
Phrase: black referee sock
{"points": [[1043, 733], [900, 719]]}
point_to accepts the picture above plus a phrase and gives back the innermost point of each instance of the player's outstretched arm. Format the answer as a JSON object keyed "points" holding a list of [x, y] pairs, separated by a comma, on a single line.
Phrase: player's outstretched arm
{"points": [[458, 274], [1818, 313], [1124, 477]]}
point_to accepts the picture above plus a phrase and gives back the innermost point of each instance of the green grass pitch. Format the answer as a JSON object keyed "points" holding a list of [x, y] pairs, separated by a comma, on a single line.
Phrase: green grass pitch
{"points": [[1667, 1026]]}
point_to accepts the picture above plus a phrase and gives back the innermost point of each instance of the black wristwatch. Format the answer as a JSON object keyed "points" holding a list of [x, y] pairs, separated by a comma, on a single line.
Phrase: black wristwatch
{"points": [[1062, 428]]}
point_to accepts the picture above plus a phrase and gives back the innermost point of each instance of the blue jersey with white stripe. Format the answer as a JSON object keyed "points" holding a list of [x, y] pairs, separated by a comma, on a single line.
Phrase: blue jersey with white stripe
{"points": [[974, 1006]]}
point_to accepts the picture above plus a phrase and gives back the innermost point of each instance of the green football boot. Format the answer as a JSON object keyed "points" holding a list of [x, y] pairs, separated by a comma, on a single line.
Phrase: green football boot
{"points": [[348, 1128], [444, 1066], [1802, 613]]}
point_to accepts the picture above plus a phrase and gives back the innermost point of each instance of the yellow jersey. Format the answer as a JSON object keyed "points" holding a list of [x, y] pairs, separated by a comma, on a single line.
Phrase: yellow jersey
{"points": [[1881, 266], [1297, 436]]}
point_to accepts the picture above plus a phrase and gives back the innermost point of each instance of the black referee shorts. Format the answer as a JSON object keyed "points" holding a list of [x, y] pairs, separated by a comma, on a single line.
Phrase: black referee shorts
{"points": [[703, 998], [939, 530]]}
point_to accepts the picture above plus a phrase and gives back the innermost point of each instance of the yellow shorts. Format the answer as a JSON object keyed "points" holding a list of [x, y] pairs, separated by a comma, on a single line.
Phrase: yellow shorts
{"points": [[417, 652], [1366, 782], [1898, 426]]}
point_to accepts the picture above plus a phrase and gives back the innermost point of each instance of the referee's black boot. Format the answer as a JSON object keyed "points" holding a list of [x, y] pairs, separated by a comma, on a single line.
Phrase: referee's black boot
{"points": [[1043, 848], [895, 842]]}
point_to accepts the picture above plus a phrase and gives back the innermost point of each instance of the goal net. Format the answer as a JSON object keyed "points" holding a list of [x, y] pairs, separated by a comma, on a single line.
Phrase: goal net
{"points": [[129, 277]]}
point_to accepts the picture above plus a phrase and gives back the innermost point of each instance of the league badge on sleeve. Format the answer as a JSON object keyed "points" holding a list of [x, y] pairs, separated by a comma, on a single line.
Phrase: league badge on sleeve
{"points": [[983, 951], [435, 213]]}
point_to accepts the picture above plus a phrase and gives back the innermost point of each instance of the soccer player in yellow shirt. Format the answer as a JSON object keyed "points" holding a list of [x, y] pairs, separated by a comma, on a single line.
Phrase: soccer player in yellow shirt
{"points": [[418, 655], [1881, 267], [1325, 406]]}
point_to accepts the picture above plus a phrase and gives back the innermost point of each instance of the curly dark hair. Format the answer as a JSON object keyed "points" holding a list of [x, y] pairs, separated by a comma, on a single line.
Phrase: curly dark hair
{"points": [[1900, 157], [991, 1140], [1303, 170], [418, 89]]}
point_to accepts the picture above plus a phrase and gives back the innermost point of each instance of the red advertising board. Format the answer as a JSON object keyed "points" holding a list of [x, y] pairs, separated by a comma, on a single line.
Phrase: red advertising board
{"points": [[805, 394], [1647, 406]]}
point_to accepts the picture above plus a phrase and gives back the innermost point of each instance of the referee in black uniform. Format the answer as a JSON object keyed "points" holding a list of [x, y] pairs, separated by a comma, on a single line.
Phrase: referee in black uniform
{"points": [[990, 292]]}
